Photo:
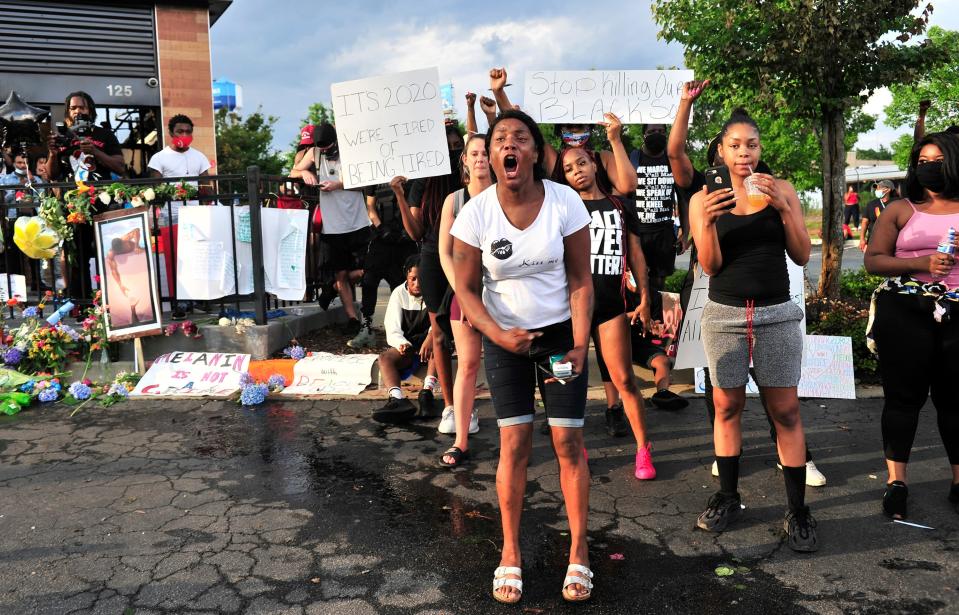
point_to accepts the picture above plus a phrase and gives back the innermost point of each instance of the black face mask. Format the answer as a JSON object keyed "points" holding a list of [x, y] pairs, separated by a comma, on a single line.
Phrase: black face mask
{"points": [[332, 152], [655, 142], [930, 176]]}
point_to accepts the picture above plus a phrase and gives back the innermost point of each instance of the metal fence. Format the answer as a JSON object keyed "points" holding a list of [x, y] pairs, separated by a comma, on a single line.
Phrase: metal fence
{"points": [[231, 191]]}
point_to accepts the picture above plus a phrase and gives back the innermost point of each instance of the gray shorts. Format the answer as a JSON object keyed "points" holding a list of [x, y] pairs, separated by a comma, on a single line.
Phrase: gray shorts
{"points": [[777, 343]]}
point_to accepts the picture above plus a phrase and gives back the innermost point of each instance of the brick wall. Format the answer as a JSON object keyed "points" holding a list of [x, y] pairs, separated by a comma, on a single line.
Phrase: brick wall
{"points": [[183, 49]]}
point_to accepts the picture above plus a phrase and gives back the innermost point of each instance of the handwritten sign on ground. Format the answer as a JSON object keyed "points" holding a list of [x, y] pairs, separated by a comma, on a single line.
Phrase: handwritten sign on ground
{"points": [[584, 96], [390, 125], [323, 373], [691, 353], [17, 283], [193, 374], [827, 370]]}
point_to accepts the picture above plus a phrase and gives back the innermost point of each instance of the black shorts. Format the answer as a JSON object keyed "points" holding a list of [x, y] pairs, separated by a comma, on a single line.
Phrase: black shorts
{"points": [[345, 251], [512, 379], [643, 351], [433, 282], [659, 249]]}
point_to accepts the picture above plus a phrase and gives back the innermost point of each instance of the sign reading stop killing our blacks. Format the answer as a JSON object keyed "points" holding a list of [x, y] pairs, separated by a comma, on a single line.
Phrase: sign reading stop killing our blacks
{"points": [[584, 96], [390, 125]]}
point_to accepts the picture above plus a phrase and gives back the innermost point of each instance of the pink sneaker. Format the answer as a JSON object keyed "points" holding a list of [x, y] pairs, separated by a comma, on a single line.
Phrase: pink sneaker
{"points": [[644, 464]]}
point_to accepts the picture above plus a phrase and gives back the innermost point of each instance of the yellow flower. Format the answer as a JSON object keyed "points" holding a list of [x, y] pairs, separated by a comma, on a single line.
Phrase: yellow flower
{"points": [[35, 238]]}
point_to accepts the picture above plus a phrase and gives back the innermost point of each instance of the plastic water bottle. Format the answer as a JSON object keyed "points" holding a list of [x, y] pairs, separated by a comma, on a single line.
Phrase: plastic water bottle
{"points": [[948, 243]]}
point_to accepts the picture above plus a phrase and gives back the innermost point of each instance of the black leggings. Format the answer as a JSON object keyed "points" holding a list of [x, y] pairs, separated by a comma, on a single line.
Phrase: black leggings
{"points": [[384, 261], [916, 355]]}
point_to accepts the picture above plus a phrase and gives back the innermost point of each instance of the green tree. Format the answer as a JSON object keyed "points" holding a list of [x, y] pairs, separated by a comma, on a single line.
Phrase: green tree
{"points": [[812, 60], [243, 142], [901, 148], [317, 113], [883, 153], [939, 84]]}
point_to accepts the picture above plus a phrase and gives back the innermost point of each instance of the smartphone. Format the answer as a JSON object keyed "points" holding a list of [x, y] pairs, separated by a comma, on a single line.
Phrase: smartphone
{"points": [[717, 178]]}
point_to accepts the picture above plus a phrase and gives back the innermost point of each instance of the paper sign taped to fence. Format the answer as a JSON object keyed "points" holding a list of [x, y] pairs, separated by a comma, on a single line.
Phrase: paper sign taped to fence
{"points": [[323, 373], [584, 96], [193, 374], [17, 283], [691, 353], [204, 253], [827, 370], [390, 125]]}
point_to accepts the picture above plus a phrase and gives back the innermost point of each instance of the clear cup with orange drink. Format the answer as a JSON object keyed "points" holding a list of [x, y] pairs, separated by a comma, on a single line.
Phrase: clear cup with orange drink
{"points": [[757, 198]]}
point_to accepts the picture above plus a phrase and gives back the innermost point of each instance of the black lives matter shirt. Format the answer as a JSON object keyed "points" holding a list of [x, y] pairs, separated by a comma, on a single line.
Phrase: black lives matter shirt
{"points": [[608, 226], [655, 189]]}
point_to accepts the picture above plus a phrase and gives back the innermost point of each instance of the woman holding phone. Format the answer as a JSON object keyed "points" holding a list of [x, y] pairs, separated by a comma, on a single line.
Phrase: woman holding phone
{"points": [[743, 230], [521, 262]]}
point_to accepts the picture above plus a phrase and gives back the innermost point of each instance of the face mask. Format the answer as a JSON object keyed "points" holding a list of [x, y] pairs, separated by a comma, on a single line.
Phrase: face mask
{"points": [[931, 177], [182, 142], [19, 171], [456, 156], [879, 194], [332, 151], [575, 139], [655, 142]]}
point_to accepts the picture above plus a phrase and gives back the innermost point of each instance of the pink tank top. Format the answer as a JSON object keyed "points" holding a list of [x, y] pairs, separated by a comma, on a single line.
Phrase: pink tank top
{"points": [[921, 237]]}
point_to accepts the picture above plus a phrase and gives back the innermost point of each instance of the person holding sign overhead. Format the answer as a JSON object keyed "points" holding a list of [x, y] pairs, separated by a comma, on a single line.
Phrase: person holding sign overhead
{"points": [[521, 260], [743, 227], [346, 224]]}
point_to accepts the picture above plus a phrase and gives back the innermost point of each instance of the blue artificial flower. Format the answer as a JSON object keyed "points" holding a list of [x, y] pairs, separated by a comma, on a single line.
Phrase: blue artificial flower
{"points": [[69, 331], [295, 352], [27, 387], [55, 386], [48, 394], [276, 382], [80, 391], [246, 379], [12, 356], [253, 395], [31, 312]]}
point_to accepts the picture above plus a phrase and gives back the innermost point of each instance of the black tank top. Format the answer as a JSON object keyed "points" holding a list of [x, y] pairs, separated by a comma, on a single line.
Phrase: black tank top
{"points": [[753, 248]]}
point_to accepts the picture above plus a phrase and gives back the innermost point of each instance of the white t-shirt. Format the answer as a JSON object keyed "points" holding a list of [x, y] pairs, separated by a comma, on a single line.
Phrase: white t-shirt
{"points": [[344, 211], [170, 163], [524, 274]]}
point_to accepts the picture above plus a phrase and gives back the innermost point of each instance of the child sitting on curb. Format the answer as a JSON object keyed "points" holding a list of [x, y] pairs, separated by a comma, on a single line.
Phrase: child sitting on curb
{"points": [[408, 333]]}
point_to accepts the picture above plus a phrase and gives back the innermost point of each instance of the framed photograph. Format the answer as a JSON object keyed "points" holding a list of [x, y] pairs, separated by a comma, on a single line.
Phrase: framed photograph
{"points": [[128, 275]]}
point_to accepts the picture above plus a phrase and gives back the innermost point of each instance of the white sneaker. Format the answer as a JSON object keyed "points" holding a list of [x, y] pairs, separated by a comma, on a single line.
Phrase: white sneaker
{"points": [[335, 303], [448, 421], [814, 478], [716, 469], [474, 423], [364, 339]]}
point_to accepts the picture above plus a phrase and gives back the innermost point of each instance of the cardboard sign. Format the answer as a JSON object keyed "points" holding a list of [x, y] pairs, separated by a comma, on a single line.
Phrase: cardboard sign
{"points": [[827, 370], [193, 374], [390, 125], [323, 373], [691, 353], [17, 282], [584, 96]]}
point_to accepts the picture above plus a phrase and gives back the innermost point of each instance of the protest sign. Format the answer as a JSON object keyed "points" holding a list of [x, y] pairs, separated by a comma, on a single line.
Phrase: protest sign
{"points": [[691, 353], [323, 373], [284, 252], [193, 374], [204, 253], [17, 283], [827, 370], [584, 96], [390, 125]]}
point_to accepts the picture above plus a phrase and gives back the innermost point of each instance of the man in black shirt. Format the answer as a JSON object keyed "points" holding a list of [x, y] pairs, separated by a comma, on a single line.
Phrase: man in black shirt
{"points": [[655, 200], [885, 190], [91, 152]]}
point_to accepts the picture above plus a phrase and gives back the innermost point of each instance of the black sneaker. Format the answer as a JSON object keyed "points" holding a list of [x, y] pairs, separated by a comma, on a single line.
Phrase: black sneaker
{"points": [[616, 424], [721, 510], [178, 314], [544, 427], [894, 499], [800, 528], [395, 411], [427, 405], [352, 327], [667, 400], [327, 294]]}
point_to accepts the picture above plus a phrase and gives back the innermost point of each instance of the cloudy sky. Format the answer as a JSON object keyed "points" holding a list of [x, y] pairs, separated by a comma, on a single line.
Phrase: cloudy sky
{"points": [[286, 54]]}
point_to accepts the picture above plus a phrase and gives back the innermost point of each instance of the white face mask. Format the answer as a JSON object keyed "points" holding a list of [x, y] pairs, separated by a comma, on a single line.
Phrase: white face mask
{"points": [[880, 194], [19, 171]]}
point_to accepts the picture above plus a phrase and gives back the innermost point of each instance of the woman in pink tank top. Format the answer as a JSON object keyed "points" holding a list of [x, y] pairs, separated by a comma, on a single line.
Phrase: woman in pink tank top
{"points": [[914, 319]]}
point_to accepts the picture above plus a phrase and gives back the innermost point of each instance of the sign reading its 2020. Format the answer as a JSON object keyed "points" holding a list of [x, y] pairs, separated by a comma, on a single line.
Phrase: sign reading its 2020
{"points": [[390, 125]]}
